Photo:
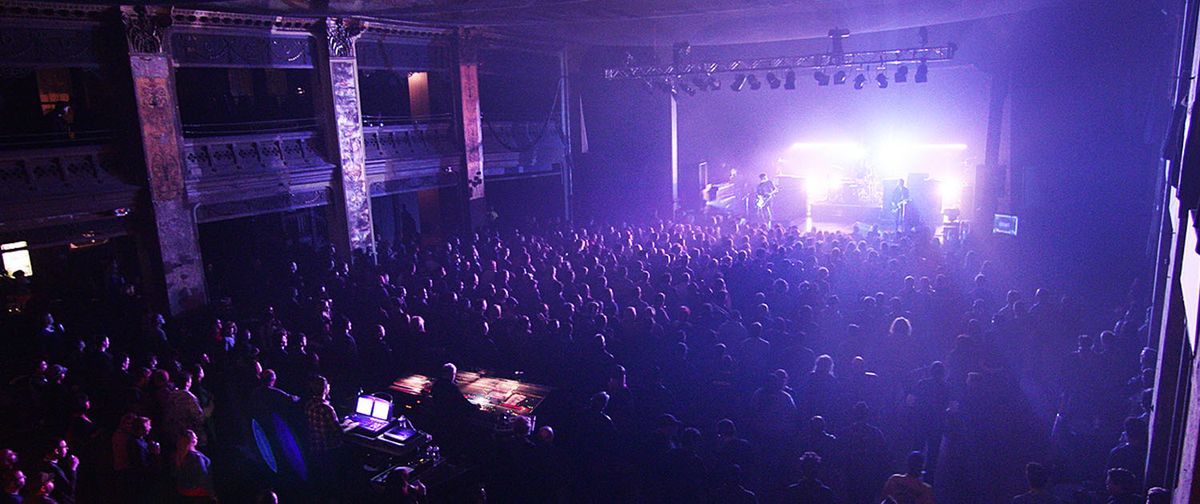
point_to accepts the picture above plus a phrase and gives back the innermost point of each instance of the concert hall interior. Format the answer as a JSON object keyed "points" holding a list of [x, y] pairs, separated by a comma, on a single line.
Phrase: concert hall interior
{"points": [[599, 251]]}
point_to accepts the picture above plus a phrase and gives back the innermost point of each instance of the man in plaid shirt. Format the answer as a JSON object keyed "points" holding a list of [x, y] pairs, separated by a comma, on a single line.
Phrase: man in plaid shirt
{"points": [[324, 430]]}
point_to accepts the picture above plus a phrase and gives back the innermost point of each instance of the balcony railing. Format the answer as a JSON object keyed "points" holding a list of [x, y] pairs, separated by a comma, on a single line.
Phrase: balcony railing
{"points": [[213, 129], [261, 153], [410, 141], [78, 169], [43, 140], [406, 120]]}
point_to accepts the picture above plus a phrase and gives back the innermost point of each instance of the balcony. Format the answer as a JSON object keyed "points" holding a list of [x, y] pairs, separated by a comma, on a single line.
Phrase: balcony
{"points": [[404, 138], [221, 168], [67, 182], [405, 154]]}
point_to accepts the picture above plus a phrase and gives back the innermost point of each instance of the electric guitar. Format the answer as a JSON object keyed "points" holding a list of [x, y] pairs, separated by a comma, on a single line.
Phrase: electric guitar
{"points": [[761, 200]]}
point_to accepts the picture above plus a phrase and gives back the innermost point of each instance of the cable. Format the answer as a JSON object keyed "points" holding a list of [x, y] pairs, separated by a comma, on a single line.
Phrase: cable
{"points": [[541, 130]]}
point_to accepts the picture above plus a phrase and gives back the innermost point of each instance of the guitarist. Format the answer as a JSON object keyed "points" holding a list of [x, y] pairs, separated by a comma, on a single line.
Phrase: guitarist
{"points": [[899, 202], [763, 193]]}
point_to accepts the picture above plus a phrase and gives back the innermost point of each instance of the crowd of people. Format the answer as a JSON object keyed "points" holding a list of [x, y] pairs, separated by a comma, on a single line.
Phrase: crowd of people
{"points": [[705, 360]]}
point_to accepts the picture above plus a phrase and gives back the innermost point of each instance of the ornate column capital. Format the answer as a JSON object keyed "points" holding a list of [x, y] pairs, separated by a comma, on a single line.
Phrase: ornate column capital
{"points": [[470, 40], [145, 31], [340, 34]]}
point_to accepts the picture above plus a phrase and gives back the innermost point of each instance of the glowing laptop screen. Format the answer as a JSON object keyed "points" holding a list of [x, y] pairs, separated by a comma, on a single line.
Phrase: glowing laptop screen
{"points": [[381, 409], [364, 405]]}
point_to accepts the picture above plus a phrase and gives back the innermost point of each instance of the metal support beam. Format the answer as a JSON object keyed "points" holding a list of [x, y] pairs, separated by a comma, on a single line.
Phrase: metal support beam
{"points": [[565, 122], [675, 203], [823, 60]]}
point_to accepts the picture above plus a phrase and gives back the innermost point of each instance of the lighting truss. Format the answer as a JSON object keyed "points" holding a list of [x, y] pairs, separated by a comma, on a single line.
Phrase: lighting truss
{"points": [[861, 58]]}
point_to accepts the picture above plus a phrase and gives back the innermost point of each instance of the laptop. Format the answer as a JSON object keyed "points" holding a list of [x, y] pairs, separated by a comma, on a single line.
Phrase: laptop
{"points": [[372, 414]]}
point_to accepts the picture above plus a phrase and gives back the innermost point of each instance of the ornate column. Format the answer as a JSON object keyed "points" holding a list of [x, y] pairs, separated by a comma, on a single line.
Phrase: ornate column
{"points": [[178, 272], [350, 226], [472, 129]]}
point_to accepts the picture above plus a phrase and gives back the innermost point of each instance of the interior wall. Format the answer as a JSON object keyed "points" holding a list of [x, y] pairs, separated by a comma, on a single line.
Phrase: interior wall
{"points": [[520, 200], [1091, 100], [387, 215], [625, 173]]}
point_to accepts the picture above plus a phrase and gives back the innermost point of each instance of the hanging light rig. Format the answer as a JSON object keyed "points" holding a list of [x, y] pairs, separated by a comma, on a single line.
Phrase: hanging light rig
{"points": [[834, 66]]}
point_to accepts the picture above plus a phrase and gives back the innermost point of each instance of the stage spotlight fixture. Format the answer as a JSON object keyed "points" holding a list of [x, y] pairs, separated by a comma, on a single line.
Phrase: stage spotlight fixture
{"points": [[882, 80], [773, 80], [755, 84], [840, 77], [739, 82], [700, 83], [821, 77], [789, 80], [714, 83], [902, 74], [922, 73], [687, 89], [860, 81]]}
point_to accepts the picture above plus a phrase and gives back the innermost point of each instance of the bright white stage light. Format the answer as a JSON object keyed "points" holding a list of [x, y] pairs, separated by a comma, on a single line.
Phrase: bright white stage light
{"points": [[845, 151], [819, 188], [815, 188], [949, 146], [892, 160], [951, 192]]}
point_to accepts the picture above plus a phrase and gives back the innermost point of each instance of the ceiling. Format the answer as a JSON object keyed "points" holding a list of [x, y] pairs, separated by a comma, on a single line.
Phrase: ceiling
{"points": [[651, 22]]}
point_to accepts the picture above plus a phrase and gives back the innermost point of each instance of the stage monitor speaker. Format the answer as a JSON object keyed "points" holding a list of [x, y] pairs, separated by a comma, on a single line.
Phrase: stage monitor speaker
{"points": [[792, 201], [691, 185], [926, 195], [968, 202]]}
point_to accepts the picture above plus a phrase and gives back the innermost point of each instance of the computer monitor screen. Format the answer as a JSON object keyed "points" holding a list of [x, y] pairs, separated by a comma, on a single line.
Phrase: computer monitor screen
{"points": [[364, 405], [381, 409], [1005, 224]]}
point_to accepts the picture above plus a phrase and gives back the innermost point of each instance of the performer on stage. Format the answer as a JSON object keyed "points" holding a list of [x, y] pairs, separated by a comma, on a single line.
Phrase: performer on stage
{"points": [[899, 201], [763, 193]]}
